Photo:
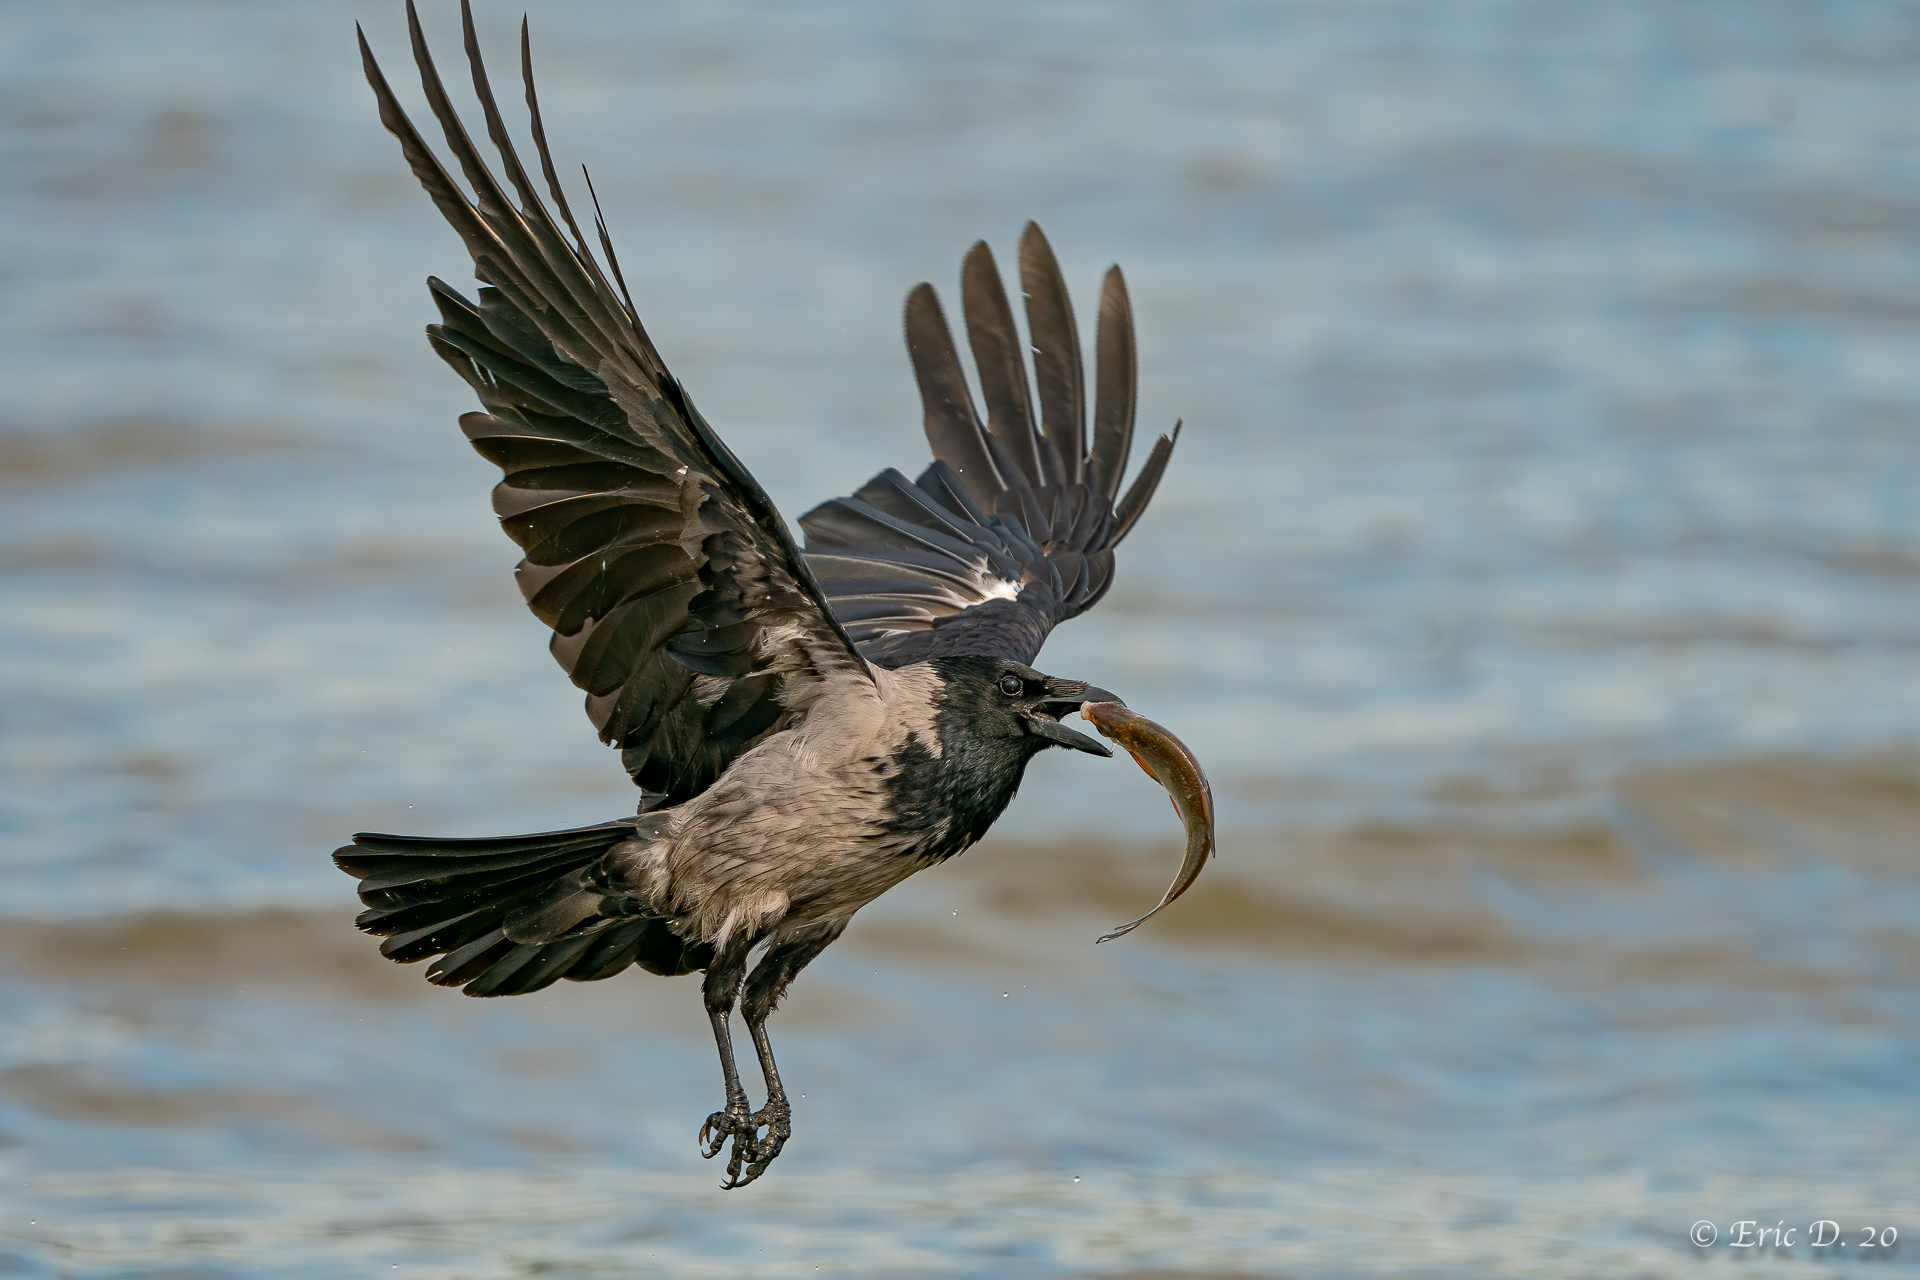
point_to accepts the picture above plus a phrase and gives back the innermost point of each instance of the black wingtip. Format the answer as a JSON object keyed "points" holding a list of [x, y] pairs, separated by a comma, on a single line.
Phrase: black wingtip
{"points": [[1134, 505], [606, 246], [1116, 389], [954, 431], [1002, 368], [1058, 374]]}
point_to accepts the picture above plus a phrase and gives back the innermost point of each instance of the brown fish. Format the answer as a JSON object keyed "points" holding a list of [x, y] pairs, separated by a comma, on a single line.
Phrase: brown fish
{"points": [[1167, 759]]}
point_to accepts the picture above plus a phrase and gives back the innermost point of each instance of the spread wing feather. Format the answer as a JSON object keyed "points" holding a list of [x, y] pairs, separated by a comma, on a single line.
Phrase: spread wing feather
{"points": [[1056, 358], [678, 599], [1011, 531]]}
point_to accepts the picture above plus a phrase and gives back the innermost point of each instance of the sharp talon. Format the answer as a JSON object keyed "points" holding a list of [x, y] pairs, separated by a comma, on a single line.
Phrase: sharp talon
{"points": [[715, 1128]]}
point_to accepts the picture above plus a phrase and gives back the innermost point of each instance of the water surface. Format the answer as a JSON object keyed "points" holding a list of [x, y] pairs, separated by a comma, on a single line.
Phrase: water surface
{"points": [[1537, 577]]}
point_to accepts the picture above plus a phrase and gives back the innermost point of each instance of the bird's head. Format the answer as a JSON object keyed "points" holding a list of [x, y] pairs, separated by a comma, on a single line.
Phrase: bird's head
{"points": [[1011, 703]]}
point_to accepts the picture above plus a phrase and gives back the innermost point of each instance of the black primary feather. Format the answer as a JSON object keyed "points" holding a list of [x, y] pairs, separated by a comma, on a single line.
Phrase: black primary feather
{"points": [[1056, 358], [1116, 388], [1003, 374]]}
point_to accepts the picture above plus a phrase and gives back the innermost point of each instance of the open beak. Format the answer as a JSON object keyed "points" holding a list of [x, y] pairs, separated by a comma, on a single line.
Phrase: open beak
{"points": [[1065, 697]]}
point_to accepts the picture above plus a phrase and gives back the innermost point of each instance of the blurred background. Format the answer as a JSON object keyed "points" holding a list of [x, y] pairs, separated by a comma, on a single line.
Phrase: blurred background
{"points": [[1538, 576]]}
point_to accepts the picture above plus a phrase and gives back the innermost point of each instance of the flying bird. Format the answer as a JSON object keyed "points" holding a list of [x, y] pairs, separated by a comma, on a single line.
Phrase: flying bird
{"points": [[806, 728]]}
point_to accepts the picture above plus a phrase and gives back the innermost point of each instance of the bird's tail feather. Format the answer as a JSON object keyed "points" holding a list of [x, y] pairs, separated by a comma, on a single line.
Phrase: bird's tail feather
{"points": [[459, 899]]}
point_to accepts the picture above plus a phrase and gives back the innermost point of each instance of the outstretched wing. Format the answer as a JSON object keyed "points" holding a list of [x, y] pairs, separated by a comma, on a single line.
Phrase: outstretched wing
{"points": [[1011, 531], [677, 598]]}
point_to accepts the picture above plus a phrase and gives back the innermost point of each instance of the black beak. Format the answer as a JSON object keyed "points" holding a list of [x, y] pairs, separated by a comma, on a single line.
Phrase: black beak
{"points": [[1091, 694], [1044, 720]]}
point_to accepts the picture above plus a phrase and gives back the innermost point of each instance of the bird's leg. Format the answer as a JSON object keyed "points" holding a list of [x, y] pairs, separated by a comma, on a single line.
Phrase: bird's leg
{"points": [[768, 982], [722, 985]]}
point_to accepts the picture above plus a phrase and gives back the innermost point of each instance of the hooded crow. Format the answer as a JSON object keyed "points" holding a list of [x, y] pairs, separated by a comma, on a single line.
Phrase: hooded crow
{"points": [[806, 729]]}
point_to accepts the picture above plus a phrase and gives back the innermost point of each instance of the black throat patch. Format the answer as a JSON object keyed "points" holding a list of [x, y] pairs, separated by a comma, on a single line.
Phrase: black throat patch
{"points": [[949, 800]]}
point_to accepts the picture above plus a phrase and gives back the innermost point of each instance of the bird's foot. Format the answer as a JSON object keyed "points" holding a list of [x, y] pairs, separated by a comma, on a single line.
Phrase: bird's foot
{"points": [[752, 1150], [777, 1119], [744, 1129]]}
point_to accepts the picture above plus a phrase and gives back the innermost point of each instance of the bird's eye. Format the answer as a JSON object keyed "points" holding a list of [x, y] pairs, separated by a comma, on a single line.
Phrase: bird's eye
{"points": [[1010, 685]]}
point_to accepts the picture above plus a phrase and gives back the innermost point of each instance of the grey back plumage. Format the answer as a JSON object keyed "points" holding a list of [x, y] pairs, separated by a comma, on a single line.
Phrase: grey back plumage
{"points": [[1011, 531]]}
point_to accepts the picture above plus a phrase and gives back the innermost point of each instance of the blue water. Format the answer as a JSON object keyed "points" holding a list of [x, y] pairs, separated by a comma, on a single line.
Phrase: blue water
{"points": [[1538, 576]]}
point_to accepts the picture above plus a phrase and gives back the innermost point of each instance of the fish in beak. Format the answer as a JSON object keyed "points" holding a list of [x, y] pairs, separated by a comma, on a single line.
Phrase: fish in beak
{"points": [[1168, 761]]}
